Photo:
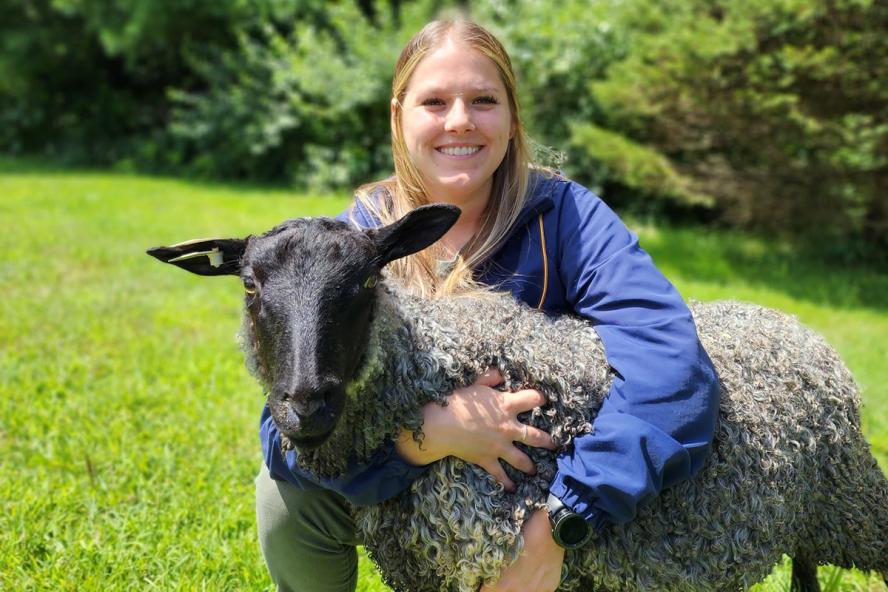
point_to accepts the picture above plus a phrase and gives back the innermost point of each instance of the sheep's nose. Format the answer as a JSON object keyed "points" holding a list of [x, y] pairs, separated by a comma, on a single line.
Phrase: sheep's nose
{"points": [[304, 416], [310, 401], [297, 424], [306, 406]]}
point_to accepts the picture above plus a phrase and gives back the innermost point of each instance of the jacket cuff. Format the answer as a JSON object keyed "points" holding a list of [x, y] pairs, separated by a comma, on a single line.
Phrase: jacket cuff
{"points": [[395, 465], [386, 475], [579, 501]]}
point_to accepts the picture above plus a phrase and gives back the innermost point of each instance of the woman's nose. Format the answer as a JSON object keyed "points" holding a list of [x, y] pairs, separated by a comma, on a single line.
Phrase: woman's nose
{"points": [[459, 118]]}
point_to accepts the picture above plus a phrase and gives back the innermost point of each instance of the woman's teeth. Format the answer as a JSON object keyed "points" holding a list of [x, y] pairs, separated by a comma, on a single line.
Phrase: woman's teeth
{"points": [[460, 150]]}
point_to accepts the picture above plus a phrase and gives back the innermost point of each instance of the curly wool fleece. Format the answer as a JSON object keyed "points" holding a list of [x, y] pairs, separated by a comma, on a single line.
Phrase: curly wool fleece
{"points": [[789, 472]]}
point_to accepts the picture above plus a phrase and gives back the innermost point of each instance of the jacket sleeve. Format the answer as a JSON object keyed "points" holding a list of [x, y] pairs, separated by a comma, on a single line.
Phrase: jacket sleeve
{"points": [[386, 474], [656, 425]]}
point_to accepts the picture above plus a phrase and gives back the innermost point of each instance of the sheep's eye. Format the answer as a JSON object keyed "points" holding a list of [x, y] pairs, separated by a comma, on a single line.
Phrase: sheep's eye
{"points": [[371, 281], [250, 286]]}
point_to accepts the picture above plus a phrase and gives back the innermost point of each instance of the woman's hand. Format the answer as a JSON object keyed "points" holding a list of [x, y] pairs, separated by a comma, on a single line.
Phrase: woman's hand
{"points": [[479, 425], [539, 566]]}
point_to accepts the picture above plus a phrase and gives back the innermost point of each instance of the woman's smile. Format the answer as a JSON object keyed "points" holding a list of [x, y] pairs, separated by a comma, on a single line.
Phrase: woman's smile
{"points": [[460, 151]]}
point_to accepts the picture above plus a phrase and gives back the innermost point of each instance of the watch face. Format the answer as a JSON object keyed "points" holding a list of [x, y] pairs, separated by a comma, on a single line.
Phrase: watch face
{"points": [[573, 530]]}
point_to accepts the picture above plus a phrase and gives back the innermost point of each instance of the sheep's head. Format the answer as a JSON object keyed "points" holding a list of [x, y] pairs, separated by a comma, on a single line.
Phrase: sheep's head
{"points": [[309, 290]]}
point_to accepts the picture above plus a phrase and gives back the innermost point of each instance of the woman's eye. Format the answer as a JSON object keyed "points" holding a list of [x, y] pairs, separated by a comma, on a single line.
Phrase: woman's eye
{"points": [[486, 100], [432, 102]]}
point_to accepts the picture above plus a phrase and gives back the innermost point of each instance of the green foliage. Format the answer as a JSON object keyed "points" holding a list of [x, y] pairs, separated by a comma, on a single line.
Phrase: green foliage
{"points": [[86, 79], [764, 114], [778, 109], [128, 427], [555, 52], [770, 112], [640, 168], [308, 105]]}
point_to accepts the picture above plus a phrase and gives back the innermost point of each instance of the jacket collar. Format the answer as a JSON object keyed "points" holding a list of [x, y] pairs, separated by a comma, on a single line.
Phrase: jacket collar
{"points": [[541, 201]]}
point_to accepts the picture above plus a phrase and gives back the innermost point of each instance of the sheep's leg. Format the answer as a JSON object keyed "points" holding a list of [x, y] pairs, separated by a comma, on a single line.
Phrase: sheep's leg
{"points": [[804, 575]]}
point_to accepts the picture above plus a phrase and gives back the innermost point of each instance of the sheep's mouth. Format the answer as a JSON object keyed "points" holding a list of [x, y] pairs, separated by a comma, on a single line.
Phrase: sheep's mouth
{"points": [[310, 442], [308, 436]]}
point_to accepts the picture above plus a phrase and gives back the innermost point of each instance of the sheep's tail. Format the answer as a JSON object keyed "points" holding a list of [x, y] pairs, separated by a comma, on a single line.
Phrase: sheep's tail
{"points": [[853, 516], [871, 489]]}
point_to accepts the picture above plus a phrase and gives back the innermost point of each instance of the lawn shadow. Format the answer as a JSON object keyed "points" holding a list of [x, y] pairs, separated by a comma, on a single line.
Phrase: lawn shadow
{"points": [[731, 257]]}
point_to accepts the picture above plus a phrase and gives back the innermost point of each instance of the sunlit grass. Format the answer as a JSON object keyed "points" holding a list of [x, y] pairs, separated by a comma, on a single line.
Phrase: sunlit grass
{"points": [[128, 440]]}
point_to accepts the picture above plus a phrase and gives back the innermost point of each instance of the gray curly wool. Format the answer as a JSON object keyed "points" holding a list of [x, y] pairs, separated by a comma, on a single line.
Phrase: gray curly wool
{"points": [[789, 473]]}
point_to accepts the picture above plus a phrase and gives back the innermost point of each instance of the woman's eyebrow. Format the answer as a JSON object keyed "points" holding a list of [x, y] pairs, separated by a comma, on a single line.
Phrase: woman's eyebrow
{"points": [[434, 90]]}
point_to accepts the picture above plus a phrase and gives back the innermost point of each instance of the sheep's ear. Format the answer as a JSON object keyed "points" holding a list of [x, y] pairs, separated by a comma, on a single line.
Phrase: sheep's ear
{"points": [[414, 232], [204, 256]]}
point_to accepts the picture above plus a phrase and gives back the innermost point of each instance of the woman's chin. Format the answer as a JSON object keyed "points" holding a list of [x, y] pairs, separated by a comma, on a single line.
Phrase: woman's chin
{"points": [[461, 186]]}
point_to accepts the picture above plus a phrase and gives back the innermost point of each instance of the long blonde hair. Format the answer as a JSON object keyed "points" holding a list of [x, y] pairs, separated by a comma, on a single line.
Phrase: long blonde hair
{"points": [[390, 199]]}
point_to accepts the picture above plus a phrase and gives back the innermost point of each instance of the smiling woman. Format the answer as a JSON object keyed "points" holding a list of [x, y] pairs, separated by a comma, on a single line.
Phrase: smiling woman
{"points": [[457, 138]]}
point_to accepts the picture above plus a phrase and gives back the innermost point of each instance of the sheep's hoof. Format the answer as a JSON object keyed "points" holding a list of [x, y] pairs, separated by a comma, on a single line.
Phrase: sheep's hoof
{"points": [[804, 575]]}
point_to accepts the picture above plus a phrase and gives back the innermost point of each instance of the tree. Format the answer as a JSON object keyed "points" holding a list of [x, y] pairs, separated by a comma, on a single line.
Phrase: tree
{"points": [[778, 109]]}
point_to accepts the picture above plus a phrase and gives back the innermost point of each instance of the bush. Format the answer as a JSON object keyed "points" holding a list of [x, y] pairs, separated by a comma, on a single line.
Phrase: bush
{"points": [[308, 105], [86, 80]]}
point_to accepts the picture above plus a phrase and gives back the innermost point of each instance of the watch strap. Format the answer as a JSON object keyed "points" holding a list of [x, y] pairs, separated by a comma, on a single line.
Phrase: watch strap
{"points": [[559, 516]]}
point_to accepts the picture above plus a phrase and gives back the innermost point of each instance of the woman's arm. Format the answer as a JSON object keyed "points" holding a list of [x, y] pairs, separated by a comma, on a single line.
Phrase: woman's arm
{"points": [[655, 427], [539, 566], [657, 423]]}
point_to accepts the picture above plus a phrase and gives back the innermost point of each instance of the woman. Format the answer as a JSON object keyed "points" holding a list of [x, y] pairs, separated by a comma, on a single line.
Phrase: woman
{"points": [[457, 138]]}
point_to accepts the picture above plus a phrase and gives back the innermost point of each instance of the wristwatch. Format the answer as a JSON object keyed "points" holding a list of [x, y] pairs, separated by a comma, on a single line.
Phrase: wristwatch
{"points": [[569, 529]]}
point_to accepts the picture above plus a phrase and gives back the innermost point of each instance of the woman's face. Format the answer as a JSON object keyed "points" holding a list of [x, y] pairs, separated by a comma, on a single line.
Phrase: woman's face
{"points": [[456, 122]]}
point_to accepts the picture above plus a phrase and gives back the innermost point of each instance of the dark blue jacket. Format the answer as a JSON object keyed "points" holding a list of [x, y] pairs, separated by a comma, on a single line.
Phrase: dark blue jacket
{"points": [[570, 253]]}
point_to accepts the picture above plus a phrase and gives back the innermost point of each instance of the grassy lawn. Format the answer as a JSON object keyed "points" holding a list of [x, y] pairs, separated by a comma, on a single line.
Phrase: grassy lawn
{"points": [[128, 438]]}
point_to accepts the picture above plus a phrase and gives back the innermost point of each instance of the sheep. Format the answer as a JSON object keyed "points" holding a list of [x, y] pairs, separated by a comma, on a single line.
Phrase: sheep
{"points": [[348, 358]]}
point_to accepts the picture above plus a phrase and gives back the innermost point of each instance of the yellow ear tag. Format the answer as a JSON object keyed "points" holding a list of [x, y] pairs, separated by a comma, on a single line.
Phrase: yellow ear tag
{"points": [[215, 257]]}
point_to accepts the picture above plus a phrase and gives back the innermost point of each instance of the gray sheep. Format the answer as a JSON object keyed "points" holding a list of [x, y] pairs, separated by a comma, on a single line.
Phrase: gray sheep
{"points": [[789, 473]]}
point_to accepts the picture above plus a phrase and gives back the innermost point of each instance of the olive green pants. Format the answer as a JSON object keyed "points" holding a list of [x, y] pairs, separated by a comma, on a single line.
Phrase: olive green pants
{"points": [[307, 537]]}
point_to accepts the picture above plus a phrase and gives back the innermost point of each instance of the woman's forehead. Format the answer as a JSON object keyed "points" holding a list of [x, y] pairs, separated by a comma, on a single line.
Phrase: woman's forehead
{"points": [[456, 69]]}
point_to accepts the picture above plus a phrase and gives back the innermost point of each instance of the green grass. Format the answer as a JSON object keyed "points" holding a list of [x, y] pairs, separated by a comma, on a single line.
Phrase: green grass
{"points": [[128, 439]]}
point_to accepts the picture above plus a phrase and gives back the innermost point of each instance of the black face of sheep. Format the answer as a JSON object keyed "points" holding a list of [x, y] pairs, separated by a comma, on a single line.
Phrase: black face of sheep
{"points": [[309, 292]]}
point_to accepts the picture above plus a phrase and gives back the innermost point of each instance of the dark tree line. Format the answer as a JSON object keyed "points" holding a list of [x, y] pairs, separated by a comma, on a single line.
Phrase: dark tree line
{"points": [[765, 114]]}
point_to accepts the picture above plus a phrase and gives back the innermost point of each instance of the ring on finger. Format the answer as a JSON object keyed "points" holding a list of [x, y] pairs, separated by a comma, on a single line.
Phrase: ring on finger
{"points": [[524, 435]]}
